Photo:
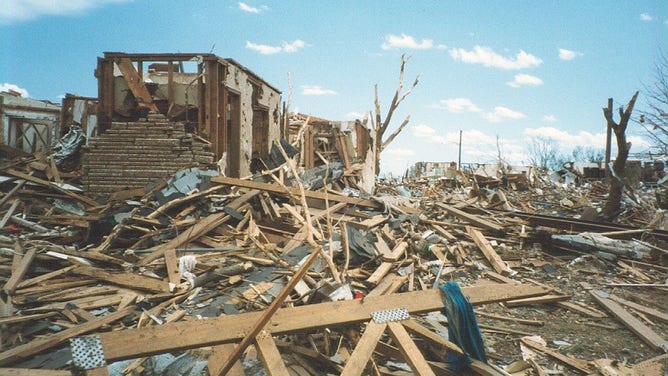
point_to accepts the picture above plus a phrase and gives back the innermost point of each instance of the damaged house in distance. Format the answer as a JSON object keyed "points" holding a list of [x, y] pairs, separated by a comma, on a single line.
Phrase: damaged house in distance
{"points": [[159, 113]]}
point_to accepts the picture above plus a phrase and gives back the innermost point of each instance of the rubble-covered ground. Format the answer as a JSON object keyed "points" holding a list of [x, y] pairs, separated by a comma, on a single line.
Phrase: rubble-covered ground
{"points": [[199, 246]]}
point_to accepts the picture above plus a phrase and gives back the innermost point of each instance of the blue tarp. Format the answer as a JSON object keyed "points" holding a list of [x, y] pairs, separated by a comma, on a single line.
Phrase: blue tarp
{"points": [[463, 327]]}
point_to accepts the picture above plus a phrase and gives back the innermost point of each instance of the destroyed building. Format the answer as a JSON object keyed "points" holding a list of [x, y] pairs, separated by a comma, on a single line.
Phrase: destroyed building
{"points": [[26, 124], [162, 112]]}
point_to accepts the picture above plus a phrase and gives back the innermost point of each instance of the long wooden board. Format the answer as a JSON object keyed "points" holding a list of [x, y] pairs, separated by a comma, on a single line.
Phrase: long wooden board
{"points": [[131, 343], [277, 189], [358, 360], [38, 345], [635, 325], [486, 247], [410, 351], [129, 280], [473, 219]]}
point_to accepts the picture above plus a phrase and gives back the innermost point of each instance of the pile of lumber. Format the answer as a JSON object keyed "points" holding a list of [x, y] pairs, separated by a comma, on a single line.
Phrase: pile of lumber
{"points": [[242, 275]]}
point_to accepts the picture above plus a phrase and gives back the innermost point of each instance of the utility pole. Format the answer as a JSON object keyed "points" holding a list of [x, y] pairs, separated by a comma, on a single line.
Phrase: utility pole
{"points": [[608, 146], [459, 160]]}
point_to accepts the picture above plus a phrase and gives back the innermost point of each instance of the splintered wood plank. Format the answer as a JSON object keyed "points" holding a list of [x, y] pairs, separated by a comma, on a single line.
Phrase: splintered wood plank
{"points": [[636, 326], [38, 345], [91, 302], [172, 265], [497, 263], [33, 372], [20, 271], [587, 311], [217, 358], [45, 277], [473, 219], [129, 280], [28, 177], [343, 150], [641, 308], [19, 319], [132, 343], [388, 285], [382, 247], [135, 83], [387, 264], [358, 360], [573, 362], [271, 358], [370, 223], [444, 233], [10, 211], [408, 348], [537, 300]]}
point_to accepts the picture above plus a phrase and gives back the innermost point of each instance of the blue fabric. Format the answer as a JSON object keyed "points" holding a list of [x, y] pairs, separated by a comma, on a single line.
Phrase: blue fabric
{"points": [[463, 327]]}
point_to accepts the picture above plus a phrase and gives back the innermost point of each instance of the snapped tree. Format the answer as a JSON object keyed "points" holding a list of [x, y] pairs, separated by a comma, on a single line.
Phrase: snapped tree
{"points": [[379, 127], [613, 205]]}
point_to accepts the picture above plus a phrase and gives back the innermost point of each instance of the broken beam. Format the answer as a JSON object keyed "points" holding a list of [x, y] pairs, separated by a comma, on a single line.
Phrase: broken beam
{"points": [[132, 343], [473, 219], [635, 325]]}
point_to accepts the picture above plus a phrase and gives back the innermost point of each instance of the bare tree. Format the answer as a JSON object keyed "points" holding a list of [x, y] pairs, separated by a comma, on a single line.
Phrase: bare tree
{"points": [[588, 154], [654, 119], [379, 127], [613, 204], [543, 153]]}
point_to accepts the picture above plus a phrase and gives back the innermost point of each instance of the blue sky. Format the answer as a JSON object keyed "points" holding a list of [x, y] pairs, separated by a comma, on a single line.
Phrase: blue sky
{"points": [[500, 71]]}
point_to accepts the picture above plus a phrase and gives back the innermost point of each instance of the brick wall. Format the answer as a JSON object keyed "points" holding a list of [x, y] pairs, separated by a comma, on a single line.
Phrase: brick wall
{"points": [[136, 154]]}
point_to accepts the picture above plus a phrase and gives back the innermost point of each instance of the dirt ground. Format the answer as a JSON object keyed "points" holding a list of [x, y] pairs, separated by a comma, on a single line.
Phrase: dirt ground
{"points": [[572, 333]]}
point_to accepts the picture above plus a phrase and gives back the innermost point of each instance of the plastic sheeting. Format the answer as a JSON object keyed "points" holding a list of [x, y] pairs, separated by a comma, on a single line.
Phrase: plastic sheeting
{"points": [[69, 144]]}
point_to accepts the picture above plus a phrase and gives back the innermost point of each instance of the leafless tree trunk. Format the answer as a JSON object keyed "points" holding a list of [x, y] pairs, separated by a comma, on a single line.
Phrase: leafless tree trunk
{"points": [[613, 204], [379, 126]]}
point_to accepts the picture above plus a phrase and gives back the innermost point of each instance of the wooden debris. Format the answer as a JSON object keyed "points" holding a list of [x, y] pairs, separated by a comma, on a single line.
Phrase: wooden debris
{"points": [[78, 257], [635, 325], [489, 252]]}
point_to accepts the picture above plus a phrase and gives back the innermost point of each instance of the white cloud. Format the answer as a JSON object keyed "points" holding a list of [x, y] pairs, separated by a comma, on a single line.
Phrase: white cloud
{"points": [[399, 152], [563, 139], [549, 118], [24, 10], [271, 50], [251, 9], [294, 46], [7, 87], [353, 115], [406, 41], [316, 90], [422, 130], [459, 105], [568, 54], [501, 113], [426, 132], [487, 57], [525, 80], [263, 48], [646, 17]]}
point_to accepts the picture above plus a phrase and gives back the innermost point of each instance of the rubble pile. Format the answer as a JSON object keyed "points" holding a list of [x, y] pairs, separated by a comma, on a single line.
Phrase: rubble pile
{"points": [[206, 274]]}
